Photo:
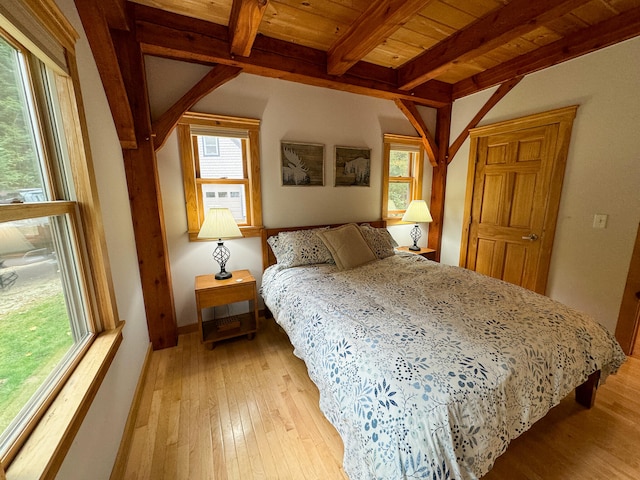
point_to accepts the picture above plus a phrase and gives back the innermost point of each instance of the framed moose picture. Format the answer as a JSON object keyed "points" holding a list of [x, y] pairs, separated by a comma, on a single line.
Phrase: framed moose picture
{"points": [[353, 166], [302, 163]]}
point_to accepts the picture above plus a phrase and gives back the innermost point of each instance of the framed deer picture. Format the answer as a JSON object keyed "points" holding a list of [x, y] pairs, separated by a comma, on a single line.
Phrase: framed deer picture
{"points": [[302, 164], [353, 166]]}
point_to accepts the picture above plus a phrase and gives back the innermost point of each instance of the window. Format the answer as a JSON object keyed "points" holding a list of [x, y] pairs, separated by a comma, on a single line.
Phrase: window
{"points": [[221, 168], [52, 304], [402, 175], [210, 146]]}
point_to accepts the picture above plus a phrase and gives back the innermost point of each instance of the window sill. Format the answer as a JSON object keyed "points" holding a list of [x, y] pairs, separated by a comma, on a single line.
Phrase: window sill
{"points": [[393, 221], [43, 453], [247, 231]]}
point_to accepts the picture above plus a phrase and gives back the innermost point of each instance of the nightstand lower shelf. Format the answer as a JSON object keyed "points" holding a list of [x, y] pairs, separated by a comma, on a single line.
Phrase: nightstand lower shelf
{"points": [[229, 327]]}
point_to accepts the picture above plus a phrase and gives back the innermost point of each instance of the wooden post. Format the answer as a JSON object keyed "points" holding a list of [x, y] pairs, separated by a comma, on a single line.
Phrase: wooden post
{"points": [[586, 393], [146, 202], [439, 180]]}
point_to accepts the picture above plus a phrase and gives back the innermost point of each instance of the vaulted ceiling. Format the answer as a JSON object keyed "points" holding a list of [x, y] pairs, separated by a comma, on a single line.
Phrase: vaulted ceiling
{"points": [[465, 44], [424, 52]]}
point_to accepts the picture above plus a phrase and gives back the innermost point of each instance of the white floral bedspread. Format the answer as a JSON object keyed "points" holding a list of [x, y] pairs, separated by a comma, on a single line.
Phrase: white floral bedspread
{"points": [[427, 370]]}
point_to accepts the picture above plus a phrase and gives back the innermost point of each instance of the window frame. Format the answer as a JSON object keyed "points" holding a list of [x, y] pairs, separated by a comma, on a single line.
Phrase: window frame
{"points": [[416, 171], [190, 125], [42, 445]]}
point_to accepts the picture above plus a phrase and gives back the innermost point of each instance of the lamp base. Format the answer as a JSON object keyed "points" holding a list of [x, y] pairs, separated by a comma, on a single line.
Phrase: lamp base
{"points": [[223, 275], [221, 254], [415, 235]]}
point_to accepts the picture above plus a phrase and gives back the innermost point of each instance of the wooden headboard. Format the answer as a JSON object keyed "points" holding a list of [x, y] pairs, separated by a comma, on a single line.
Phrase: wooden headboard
{"points": [[268, 258]]}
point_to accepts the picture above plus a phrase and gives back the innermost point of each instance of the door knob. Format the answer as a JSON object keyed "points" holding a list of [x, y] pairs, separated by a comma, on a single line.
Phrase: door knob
{"points": [[531, 236]]}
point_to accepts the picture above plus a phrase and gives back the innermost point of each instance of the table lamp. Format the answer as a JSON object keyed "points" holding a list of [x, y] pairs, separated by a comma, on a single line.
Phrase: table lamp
{"points": [[219, 223], [417, 212]]}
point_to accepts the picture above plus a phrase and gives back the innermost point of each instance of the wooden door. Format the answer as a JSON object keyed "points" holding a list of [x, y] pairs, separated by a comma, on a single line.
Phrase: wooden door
{"points": [[514, 183], [629, 317]]}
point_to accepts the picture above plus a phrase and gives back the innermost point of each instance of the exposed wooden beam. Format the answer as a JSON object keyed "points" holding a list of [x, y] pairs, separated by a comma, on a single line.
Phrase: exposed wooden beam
{"points": [[216, 77], [146, 203], [115, 12], [498, 27], [411, 112], [373, 27], [495, 98], [439, 180], [188, 39], [99, 36], [244, 22], [616, 29]]}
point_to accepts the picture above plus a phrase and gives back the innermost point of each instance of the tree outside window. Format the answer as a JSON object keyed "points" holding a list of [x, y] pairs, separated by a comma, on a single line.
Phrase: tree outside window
{"points": [[402, 175]]}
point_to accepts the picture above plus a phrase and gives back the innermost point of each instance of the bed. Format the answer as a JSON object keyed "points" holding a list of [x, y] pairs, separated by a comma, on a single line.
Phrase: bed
{"points": [[425, 370]]}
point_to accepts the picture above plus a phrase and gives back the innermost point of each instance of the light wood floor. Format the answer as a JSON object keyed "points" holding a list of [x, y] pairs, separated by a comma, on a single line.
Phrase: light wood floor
{"points": [[247, 410]]}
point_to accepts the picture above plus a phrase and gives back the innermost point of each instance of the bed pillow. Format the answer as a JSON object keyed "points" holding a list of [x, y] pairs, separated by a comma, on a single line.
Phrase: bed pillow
{"points": [[300, 247], [379, 239], [274, 243], [347, 246]]}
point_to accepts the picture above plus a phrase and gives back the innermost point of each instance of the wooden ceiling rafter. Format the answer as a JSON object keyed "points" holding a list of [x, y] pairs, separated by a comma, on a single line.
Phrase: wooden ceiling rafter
{"points": [[98, 34], [498, 95], [216, 77], [245, 19], [188, 39], [372, 28], [608, 32], [496, 28], [413, 115]]}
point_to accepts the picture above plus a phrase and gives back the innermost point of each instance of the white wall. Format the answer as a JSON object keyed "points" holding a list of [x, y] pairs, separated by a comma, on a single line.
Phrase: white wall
{"points": [[288, 111], [588, 266], [96, 444]]}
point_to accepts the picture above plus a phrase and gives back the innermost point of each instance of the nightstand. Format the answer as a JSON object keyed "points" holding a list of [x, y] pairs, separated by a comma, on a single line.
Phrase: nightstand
{"points": [[212, 293], [429, 253]]}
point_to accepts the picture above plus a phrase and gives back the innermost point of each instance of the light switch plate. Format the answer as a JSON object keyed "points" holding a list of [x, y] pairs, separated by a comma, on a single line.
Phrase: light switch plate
{"points": [[600, 220]]}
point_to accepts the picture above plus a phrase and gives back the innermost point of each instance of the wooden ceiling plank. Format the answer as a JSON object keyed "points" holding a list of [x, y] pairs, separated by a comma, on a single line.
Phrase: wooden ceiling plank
{"points": [[244, 22], [99, 36], [413, 115], [216, 77], [498, 95], [617, 29], [172, 36], [377, 22], [515, 19]]}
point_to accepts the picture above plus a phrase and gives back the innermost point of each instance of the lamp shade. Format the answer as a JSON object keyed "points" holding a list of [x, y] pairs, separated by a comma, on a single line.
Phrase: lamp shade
{"points": [[418, 212], [219, 223]]}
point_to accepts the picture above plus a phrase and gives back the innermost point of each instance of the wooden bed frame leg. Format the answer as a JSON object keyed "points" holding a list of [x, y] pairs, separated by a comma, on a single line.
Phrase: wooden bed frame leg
{"points": [[586, 393]]}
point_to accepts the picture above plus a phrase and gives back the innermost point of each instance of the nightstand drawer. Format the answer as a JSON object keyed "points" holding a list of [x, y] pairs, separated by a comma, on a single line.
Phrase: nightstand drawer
{"points": [[221, 296]]}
